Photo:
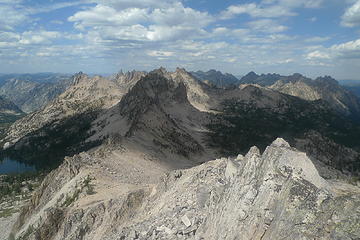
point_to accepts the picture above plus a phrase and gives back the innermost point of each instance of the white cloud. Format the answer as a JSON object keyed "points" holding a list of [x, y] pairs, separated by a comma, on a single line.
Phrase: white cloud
{"points": [[10, 1], [11, 16], [177, 15], [123, 4], [142, 24], [351, 17], [8, 36], [269, 8], [40, 37], [296, 3], [255, 10], [160, 53], [317, 55], [347, 50], [267, 25], [102, 15]]}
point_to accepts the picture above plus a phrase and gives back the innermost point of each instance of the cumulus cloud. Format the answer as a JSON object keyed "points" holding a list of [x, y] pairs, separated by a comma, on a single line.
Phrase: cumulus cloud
{"points": [[351, 17], [269, 8], [142, 24], [40, 37], [11, 16], [347, 50], [102, 15]]}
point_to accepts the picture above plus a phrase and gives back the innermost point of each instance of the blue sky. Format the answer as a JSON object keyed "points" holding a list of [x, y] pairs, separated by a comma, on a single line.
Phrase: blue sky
{"points": [[312, 37]]}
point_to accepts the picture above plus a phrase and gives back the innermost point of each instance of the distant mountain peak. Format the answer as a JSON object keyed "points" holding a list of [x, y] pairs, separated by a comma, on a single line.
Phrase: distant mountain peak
{"points": [[252, 73], [78, 77], [216, 78], [327, 79]]}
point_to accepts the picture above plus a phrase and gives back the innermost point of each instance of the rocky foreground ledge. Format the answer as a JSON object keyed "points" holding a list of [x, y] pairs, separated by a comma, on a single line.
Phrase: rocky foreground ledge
{"points": [[276, 195]]}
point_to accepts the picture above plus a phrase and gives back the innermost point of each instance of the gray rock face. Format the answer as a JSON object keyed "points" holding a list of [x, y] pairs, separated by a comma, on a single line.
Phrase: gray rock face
{"points": [[86, 94], [275, 195], [324, 88], [217, 78], [30, 94]]}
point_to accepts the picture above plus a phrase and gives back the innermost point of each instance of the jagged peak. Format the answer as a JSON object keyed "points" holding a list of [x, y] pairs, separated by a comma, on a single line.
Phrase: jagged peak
{"points": [[252, 73], [280, 142], [78, 77], [161, 71], [327, 80], [297, 75], [254, 151]]}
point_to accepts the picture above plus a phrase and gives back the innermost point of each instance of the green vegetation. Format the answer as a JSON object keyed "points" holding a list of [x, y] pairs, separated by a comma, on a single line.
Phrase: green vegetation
{"points": [[6, 120], [11, 185], [72, 198], [85, 185], [47, 147], [4, 213], [243, 124], [15, 188], [88, 186]]}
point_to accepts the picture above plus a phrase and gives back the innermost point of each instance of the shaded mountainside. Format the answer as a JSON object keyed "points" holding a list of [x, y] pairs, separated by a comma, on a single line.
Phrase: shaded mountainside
{"points": [[264, 114], [157, 113], [217, 78], [6, 106], [275, 195], [32, 96], [262, 80], [35, 77], [31, 92], [176, 115], [324, 88], [61, 127], [9, 113]]}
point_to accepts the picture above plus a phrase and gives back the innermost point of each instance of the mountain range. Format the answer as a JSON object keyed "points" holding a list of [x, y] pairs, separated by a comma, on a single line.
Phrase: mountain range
{"points": [[144, 143], [216, 78], [31, 92]]}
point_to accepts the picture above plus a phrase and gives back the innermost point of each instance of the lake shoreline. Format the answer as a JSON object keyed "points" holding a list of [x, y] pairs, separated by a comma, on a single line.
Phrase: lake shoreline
{"points": [[11, 166]]}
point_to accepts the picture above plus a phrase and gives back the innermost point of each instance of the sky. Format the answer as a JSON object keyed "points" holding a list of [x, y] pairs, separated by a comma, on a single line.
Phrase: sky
{"points": [[312, 37]]}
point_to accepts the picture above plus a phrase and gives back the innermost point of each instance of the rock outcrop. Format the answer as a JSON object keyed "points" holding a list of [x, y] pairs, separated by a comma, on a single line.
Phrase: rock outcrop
{"points": [[217, 78], [275, 195], [86, 94], [322, 88], [158, 112], [31, 95]]}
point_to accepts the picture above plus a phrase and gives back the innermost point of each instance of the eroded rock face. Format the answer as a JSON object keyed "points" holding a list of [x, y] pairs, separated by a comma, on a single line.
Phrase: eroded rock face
{"points": [[85, 94], [275, 195]]}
